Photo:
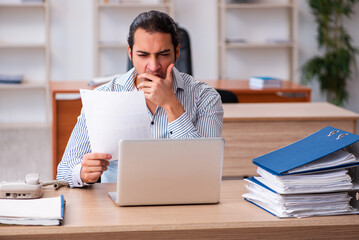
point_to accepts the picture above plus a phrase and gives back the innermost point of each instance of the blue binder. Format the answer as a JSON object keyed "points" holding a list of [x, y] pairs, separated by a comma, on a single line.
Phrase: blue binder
{"points": [[307, 150]]}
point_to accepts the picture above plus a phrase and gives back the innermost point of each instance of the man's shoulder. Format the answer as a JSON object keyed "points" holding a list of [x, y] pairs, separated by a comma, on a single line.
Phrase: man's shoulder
{"points": [[194, 85], [111, 85]]}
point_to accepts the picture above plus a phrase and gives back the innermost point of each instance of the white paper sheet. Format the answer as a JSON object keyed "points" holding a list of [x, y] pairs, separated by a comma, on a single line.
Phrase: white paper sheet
{"points": [[111, 116]]}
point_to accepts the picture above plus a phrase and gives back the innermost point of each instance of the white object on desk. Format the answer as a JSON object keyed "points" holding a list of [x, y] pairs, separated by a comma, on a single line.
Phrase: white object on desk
{"points": [[43, 211]]}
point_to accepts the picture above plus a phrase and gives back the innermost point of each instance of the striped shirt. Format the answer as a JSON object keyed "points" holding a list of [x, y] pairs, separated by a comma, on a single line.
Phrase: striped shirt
{"points": [[203, 117]]}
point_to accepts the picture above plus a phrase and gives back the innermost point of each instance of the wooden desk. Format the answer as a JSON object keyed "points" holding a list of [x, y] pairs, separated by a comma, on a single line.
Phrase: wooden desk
{"points": [[91, 214], [251, 130], [289, 92]]}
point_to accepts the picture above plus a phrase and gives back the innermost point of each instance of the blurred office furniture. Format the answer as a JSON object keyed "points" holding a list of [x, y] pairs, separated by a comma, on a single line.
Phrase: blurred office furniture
{"points": [[250, 130], [257, 38], [289, 92], [254, 129], [227, 96], [25, 52]]}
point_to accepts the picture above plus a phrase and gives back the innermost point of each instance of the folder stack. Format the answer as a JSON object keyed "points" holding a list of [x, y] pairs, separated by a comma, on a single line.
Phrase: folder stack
{"points": [[315, 176], [260, 82]]}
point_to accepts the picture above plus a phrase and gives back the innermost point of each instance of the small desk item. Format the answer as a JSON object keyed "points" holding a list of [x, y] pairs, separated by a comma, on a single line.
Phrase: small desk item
{"points": [[314, 176], [261, 82], [169, 171], [42, 211]]}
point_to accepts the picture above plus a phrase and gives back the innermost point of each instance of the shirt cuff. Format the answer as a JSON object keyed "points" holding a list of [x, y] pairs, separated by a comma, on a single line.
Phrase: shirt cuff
{"points": [[182, 127], [76, 177]]}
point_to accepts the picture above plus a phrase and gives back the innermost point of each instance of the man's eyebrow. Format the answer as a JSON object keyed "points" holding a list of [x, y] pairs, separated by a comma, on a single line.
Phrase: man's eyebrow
{"points": [[160, 52]]}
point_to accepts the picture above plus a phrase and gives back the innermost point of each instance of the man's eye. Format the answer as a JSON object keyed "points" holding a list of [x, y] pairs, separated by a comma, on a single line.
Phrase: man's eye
{"points": [[142, 55], [164, 54]]}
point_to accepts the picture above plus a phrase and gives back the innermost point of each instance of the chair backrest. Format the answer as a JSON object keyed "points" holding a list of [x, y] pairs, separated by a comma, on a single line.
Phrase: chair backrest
{"points": [[184, 61], [227, 96]]}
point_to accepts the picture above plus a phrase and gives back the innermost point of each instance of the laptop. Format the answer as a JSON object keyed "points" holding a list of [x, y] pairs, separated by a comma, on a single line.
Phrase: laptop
{"points": [[169, 171]]}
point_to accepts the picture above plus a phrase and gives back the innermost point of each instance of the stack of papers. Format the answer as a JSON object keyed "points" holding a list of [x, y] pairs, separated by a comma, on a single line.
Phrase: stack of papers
{"points": [[42, 211], [11, 79], [336, 180], [264, 82], [299, 205], [294, 182]]}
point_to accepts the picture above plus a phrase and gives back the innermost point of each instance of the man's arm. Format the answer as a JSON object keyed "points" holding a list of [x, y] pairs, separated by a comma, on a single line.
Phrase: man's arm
{"points": [[78, 166], [160, 92], [209, 118]]}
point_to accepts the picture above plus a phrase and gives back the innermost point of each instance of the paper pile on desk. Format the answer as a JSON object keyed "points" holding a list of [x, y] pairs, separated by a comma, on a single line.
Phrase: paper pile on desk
{"points": [[293, 182], [42, 211]]}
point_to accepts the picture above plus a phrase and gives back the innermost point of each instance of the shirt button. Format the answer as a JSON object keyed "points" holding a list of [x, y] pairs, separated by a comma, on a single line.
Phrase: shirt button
{"points": [[171, 132], [152, 122]]}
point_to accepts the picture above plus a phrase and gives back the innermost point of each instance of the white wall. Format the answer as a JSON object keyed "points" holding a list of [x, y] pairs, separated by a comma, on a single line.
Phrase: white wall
{"points": [[72, 34], [71, 39], [199, 18], [72, 44]]}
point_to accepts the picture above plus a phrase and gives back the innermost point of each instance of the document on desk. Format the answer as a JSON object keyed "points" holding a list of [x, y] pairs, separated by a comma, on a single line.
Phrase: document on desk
{"points": [[111, 116], [42, 211]]}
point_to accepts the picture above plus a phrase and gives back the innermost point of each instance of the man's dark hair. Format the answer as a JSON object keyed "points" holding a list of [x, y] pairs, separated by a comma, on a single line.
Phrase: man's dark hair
{"points": [[154, 21]]}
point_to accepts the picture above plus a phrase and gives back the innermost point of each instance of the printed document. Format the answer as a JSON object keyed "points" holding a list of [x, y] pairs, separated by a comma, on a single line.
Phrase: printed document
{"points": [[111, 116]]}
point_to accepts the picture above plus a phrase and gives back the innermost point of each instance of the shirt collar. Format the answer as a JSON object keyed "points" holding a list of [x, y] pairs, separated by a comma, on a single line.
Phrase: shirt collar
{"points": [[127, 81]]}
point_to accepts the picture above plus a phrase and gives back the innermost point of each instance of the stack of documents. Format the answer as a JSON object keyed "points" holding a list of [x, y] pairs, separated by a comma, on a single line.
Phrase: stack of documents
{"points": [[265, 82], [315, 176], [42, 211], [100, 80], [11, 79]]}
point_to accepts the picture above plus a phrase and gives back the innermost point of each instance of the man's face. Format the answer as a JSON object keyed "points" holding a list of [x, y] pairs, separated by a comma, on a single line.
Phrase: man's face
{"points": [[152, 52]]}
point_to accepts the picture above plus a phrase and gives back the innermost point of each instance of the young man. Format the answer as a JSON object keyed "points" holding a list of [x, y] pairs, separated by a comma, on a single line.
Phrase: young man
{"points": [[178, 106]]}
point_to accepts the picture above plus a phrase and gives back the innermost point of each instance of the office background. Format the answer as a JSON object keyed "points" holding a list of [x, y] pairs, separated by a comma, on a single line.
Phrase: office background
{"points": [[29, 149]]}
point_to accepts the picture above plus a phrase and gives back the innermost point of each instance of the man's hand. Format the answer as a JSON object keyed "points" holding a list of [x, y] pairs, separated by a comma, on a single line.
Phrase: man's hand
{"points": [[160, 92], [93, 165]]}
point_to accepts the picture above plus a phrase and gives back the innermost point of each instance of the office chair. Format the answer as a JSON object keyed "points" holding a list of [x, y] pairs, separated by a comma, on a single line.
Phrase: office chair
{"points": [[227, 96], [184, 61]]}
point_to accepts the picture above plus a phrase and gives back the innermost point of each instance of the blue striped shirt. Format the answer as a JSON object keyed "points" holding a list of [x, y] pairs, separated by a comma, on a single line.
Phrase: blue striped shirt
{"points": [[203, 117]]}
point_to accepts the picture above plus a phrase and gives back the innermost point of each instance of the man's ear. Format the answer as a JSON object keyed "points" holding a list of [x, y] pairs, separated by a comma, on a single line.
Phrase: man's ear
{"points": [[178, 51], [129, 53]]}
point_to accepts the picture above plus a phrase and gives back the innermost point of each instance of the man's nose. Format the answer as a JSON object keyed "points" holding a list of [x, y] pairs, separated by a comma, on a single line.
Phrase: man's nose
{"points": [[153, 64]]}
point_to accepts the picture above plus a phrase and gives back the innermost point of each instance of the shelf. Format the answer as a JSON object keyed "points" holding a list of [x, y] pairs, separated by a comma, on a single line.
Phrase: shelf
{"points": [[22, 45], [23, 5], [268, 34], [113, 45], [24, 85], [25, 125], [258, 45], [133, 5], [110, 37], [257, 5]]}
